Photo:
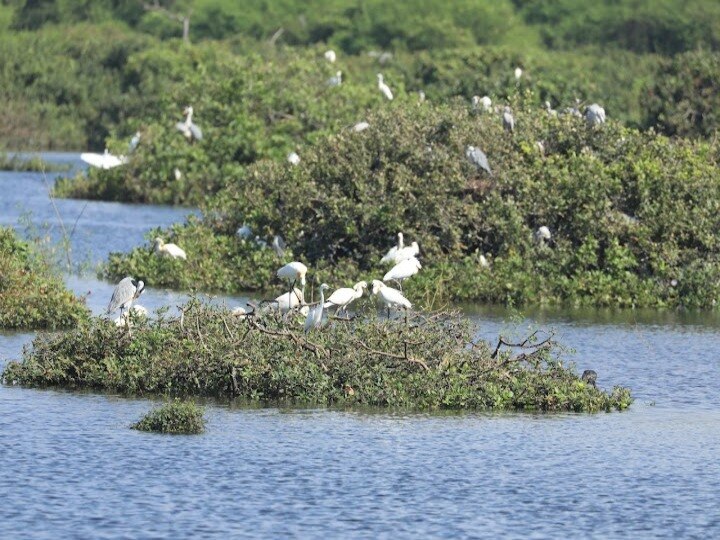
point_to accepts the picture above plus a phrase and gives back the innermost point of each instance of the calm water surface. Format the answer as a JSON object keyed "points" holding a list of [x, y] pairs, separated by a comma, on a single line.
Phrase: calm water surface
{"points": [[71, 468]]}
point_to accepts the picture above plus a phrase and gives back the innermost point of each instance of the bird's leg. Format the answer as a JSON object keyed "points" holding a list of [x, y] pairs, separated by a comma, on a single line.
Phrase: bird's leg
{"points": [[388, 313]]}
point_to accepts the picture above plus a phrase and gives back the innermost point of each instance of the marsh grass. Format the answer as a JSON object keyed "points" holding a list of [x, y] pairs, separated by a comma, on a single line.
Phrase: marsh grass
{"points": [[424, 361]]}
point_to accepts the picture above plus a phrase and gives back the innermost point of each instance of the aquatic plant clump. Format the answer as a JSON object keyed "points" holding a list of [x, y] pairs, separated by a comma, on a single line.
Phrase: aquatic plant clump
{"points": [[177, 417], [421, 361], [30, 296]]}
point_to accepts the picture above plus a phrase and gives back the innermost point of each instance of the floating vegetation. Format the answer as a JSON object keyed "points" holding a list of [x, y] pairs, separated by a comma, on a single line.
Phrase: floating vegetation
{"points": [[178, 417], [419, 360]]}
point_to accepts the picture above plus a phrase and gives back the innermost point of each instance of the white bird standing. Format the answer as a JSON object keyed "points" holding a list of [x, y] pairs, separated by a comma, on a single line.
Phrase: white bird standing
{"points": [[342, 298], [384, 88], [478, 158], [293, 272], [390, 255], [485, 102], [403, 270], [389, 296], [518, 73], [105, 160], [125, 294], [293, 158], [508, 119], [134, 142], [177, 174], [360, 126], [169, 250], [335, 80], [330, 56], [408, 252], [187, 128], [595, 115], [314, 316], [239, 311]]}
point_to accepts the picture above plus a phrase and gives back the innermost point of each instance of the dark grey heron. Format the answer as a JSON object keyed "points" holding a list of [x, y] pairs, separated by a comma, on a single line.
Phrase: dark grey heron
{"points": [[594, 115]]}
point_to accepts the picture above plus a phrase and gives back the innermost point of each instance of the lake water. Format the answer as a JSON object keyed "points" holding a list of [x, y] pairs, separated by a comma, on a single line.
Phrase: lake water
{"points": [[71, 468]]}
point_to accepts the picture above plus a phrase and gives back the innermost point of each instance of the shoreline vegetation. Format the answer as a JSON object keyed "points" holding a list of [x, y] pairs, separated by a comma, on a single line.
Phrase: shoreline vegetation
{"points": [[31, 295], [421, 360], [18, 163]]}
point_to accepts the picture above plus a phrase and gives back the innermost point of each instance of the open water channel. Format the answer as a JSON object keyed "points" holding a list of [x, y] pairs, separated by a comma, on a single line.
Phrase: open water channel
{"points": [[71, 468]]}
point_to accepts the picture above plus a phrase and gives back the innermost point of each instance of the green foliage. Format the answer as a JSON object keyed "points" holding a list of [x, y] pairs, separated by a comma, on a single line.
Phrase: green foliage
{"points": [[30, 296], [425, 362], [684, 98], [633, 215], [176, 417]]}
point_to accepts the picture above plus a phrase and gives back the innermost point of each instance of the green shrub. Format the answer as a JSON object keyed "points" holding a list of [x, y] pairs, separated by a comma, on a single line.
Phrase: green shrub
{"points": [[177, 417], [423, 361], [633, 215], [30, 295]]}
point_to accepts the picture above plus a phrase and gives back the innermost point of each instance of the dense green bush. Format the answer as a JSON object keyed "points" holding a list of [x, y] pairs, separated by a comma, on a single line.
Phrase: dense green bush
{"points": [[633, 215], [424, 361], [176, 417], [684, 98], [30, 296]]}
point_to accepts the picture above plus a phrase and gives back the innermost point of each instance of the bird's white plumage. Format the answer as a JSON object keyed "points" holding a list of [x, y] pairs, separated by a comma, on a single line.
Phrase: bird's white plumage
{"points": [[330, 56], [105, 160], [389, 296], [342, 298], [289, 300], [360, 126], [389, 257], [542, 235], [481, 102], [384, 88], [293, 271], [408, 252], [518, 73], [403, 270], [595, 115], [239, 311], [188, 128], [293, 158], [314, 316], [169, 250]]}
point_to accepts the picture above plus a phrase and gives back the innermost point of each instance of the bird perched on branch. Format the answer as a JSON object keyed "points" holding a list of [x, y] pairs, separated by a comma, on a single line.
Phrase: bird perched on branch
{"points": [[478, 158], [389, 296], [342, 298], [314, 316], [169, 250], [190, 130], [384, 88], [125, 294]]}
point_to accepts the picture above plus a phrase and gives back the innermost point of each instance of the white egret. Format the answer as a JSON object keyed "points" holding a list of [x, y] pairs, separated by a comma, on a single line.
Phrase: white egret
{"points": [[342, 298], [169, 250], [289, 300], [239, 311], [314, 316], [244, 232], [508, 119], [478, 158], [594, 115], [125, 294], [389, 296], [293, 272], [190, 130], [408, 252], [484, 262], [384, 88], [403, 270], [293, 158], [542, 235], [335, 80], [360, 126], [105, 160], [518, 73], [330, 56], [134, 311], [390, 255], [177, 174], [485, 102]]}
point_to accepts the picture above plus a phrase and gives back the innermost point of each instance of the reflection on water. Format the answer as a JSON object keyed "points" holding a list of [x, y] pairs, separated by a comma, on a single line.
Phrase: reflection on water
{"points": [[70, 467]]}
